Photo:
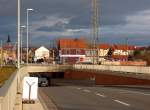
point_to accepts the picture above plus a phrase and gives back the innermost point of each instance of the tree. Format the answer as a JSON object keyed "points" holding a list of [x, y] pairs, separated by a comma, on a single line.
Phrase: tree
{"points": [[110, 52], [137, 53]]}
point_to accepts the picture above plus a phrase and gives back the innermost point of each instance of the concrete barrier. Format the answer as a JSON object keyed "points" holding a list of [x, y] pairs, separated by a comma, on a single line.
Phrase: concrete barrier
{"points": [[8, 92], [130, 69]]}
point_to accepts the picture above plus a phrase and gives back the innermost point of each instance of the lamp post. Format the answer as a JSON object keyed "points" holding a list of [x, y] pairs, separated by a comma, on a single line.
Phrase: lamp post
{"points": [[21, 39], [29, 9], [1, 53], [18, 33]]}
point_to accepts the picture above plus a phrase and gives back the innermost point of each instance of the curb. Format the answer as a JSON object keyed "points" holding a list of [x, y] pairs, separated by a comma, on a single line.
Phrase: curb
{"points": [[46, 102]]}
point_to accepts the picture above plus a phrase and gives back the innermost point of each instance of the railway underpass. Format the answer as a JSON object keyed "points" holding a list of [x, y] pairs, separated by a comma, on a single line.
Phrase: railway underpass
{"points": [[112, 89], [92, 90]]}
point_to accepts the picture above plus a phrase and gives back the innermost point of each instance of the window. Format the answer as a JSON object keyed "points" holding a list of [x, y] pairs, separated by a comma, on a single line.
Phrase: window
{"points": [[78, 51]]}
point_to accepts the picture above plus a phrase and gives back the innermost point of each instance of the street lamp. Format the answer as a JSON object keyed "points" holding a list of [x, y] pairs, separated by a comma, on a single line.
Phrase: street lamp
{"points": [[1, 53], [21, 39], [18, 33], [28, 9]]}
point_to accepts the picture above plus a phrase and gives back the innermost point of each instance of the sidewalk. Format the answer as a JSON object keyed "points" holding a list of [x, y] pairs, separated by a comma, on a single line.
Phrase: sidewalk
{"points": [[36, 106], [22, 106], [42, 103], [46, 102]]}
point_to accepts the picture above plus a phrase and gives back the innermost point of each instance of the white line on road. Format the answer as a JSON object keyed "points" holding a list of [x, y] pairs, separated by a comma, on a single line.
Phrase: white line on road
{"points": [[98, 94], [126, 104], [85, 90], [135, 92], [78, 88]]}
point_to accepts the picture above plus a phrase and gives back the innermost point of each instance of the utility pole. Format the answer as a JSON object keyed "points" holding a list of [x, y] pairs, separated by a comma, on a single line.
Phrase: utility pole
{"points": [[1, 53], [28, 9], [127, 48], [21, 39], [95, 30], [18, 27]]}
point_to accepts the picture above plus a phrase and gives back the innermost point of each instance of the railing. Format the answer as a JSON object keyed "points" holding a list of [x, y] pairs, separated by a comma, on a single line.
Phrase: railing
{"points": [[130, 69]]}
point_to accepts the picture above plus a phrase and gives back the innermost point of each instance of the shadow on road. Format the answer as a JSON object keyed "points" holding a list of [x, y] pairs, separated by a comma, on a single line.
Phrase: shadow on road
{"points": [[64, 82]]}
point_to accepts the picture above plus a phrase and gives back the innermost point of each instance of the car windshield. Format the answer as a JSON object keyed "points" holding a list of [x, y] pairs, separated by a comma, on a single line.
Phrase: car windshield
{"points": [[42, 79]]}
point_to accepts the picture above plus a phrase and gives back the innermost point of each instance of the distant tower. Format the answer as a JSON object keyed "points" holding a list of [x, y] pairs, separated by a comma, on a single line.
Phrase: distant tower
{"points": [[8, 39], [95, 27]]}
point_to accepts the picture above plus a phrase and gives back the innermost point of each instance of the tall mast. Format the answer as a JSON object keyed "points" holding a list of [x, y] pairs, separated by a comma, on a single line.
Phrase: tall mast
{"points": [[95, 28]]}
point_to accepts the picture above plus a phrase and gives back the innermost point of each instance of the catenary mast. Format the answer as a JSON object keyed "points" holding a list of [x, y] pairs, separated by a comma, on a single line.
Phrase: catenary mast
{"points": [[95, 29]]}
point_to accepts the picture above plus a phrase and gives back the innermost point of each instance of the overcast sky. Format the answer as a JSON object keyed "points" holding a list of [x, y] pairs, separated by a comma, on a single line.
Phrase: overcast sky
{"points": [[119, 20]]}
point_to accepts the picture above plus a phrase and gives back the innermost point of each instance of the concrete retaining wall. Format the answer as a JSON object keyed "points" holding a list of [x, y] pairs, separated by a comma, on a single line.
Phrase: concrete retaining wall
{"points": [[8, 92], [78, 75], [130, 69], [48, 68], [108, 79], [124, 63]]}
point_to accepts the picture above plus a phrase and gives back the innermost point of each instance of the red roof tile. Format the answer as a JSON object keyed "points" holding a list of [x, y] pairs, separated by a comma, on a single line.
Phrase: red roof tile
{"points": [[123, 47], [104, 46], [72, 43], [7, 46]]}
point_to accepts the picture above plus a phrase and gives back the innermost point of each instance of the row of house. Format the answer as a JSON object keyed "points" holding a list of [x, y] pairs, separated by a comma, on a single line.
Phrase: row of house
{"points": [[78, 51], [8, 52], [71, 51]]}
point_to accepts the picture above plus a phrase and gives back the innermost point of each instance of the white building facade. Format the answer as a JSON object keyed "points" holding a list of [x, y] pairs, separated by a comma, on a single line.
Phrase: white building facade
{"points": [[41, 53]]}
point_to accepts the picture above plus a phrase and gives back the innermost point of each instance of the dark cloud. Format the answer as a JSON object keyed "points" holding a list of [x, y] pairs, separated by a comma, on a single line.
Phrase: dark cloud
{"points": [[111, 14], [50, 29]]}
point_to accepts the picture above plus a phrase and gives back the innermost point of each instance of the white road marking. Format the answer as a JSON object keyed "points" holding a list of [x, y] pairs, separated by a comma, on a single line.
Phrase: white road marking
{"points": [[126, 104], [85, 90], [78, 88], [135, 92], [98, 94]]}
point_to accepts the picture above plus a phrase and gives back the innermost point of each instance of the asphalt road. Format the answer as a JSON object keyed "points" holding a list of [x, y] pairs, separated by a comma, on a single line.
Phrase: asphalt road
{"points": [[76, 97]]}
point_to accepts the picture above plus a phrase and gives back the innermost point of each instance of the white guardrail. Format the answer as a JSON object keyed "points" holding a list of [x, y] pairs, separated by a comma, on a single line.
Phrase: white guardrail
{"points": [[131, 69]]}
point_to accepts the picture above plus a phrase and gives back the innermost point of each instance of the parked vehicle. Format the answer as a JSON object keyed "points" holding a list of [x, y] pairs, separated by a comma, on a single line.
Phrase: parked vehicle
{"points": [[42, 82]]}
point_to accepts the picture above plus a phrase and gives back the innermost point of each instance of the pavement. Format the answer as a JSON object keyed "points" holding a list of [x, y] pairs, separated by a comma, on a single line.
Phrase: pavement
{"points": [[36, 106], [86, 97], [42, 103], [47, 103], [89, 97], [24, 106]]}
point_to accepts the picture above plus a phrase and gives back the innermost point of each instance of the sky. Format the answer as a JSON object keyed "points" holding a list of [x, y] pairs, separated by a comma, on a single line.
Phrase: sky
{"points": [[120, 21]]}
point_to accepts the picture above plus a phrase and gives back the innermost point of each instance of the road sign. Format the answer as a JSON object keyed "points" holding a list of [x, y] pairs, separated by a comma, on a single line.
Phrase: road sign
{"points": [[30, 88]]}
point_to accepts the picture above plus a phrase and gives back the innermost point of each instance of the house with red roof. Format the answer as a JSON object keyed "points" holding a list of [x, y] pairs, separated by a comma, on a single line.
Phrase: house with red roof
{"points": [[71, 50], [122, 52], [9, 52], [103, 51]]}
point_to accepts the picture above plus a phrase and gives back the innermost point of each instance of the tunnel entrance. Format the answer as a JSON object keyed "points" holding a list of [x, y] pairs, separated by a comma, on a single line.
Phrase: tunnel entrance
{"points": [[45, 78], [52, 75]]}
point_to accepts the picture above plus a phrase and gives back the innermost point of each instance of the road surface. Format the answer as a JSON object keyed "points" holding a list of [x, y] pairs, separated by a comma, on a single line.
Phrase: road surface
{"points": [[80, 97]]}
